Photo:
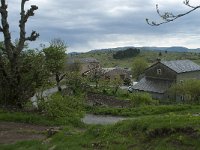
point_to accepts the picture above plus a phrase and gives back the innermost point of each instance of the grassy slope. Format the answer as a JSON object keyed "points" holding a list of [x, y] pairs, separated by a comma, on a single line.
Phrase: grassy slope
{"points": [[166, 127], [155, 128], [166, 132], [107, 60]]}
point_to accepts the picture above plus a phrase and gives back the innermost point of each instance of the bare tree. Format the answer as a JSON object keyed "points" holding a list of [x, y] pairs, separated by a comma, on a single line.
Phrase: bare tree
{"points": [[169, 17], [10, 53]]}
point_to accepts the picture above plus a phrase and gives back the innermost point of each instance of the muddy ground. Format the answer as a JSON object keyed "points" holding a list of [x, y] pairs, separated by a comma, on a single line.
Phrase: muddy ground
{"points": [[11, 132]]}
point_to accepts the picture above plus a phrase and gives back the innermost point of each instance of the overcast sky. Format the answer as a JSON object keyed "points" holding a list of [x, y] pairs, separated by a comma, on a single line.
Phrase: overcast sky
{"points": [[95, 24]]}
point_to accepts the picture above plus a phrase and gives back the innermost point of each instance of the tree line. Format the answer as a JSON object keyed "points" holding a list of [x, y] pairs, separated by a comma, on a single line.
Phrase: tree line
{"points": [[130, 52]]}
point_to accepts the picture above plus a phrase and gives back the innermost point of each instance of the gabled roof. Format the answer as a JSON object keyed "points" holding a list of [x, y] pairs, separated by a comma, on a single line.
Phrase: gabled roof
{"points": [[181, 66], [152, 85], [116, 69]]}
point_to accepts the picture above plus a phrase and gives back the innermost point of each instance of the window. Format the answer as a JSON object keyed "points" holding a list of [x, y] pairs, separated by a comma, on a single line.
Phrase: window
{"points": [[182, 97], [159, 71]]}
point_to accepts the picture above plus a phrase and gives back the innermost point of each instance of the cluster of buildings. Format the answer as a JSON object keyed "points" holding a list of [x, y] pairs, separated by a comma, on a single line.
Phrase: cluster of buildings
{"points": [[89, 65], [156, 80]]}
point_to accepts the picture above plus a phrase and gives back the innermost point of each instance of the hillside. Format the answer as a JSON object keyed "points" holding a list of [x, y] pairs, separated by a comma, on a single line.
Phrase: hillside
{"points": [[106, 57], [148, 48]]}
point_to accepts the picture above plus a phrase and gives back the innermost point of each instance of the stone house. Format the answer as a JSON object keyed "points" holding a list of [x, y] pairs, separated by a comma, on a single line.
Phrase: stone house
{"points": [[86, 64], [111, 73], [159, 77]]}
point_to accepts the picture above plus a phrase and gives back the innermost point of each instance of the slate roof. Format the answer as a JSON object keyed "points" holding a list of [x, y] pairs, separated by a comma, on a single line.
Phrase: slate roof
{"points": [[116, 69], [181, 66], [152, 85]]}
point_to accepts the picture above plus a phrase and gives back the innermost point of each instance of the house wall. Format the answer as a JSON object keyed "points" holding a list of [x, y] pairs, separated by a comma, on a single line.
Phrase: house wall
{"points": [[157, 96], [166, 73], [88, 66], [188, 75], [117, 72]]}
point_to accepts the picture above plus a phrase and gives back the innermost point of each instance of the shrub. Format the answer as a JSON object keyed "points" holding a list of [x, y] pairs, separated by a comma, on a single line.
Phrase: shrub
{"points": [[69, 109], [140, 99]]}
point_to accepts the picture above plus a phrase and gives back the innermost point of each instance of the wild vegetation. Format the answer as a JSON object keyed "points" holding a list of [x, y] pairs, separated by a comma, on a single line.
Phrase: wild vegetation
{"points": [[150, 124], [150, 57]]}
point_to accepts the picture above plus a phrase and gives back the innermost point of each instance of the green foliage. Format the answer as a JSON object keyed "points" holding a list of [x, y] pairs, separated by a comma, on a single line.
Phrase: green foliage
{"points": [[14, 91], [32, 74], [144, 110], [141, 99], [116, 83], [138, 67], [159, 132], [127, 81], [167, 132], [32, 118], [130, 52], [56, 60], [55, 56], [190, 89], [76, 83], [69, 109]]}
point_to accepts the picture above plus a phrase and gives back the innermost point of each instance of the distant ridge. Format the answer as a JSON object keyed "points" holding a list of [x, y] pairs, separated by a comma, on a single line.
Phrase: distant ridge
{"points": [[170, 49], [148, 48]]}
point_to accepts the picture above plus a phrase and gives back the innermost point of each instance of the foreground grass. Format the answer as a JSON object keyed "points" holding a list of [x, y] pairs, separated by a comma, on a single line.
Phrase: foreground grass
{"points": [[35, 118], [166, 132], [145, 110]]}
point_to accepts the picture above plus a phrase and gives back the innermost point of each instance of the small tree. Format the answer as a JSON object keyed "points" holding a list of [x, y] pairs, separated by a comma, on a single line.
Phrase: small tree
{"points": [[76, 83], [56, 60], [116, 83], [138, 67], [95, 74], [190, 89]]}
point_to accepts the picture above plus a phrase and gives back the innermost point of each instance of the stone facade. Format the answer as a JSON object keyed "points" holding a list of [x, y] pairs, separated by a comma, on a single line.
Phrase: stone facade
{"points": [[159, 77], [111, 73]]}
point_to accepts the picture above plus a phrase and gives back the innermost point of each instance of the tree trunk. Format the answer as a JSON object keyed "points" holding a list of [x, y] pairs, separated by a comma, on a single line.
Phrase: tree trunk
{"points": [[11, 90], [58, 82]]}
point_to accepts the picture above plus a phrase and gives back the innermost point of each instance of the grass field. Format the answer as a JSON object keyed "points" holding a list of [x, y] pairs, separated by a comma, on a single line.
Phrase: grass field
{"points": [[152, 127], [159, 132], [166, 127], [106, 58]]}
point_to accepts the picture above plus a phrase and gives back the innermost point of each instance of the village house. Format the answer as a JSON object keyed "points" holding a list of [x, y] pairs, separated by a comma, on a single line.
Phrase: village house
{"points": [[111, 73], [159, 77], [86, 64]]}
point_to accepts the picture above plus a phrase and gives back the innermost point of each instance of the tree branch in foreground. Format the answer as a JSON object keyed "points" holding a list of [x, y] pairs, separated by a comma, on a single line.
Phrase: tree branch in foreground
{"points": [[169, 17]]}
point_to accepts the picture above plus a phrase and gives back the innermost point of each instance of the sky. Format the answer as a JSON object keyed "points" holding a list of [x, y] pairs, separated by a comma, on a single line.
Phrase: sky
{"points": [[95, 24]]}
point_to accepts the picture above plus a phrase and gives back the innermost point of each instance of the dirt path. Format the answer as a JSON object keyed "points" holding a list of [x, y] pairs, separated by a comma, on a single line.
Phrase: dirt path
{"points": [[102, 119], [11, 132]]}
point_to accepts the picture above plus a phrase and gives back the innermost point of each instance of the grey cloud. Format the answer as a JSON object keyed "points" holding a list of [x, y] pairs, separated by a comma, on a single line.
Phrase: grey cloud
{"points": [[81, 22]]}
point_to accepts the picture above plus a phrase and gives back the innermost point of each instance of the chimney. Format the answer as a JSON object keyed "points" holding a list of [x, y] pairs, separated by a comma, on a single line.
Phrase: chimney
{"points": [[158, 60]]}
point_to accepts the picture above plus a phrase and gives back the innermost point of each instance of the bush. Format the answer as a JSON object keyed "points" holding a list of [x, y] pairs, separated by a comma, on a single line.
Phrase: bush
{"points": [[141, 99], [69, 109]]}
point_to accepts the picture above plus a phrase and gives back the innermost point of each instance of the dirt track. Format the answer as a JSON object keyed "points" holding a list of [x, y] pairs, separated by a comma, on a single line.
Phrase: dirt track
{"points": [[11, 132]]}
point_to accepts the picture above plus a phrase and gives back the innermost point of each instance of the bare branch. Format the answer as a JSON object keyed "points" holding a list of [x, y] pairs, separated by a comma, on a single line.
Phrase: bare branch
{"points": [[22, 25], [1, 29], [5, 28], [187, 3], [169, 17], [34, 35]]}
